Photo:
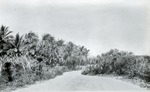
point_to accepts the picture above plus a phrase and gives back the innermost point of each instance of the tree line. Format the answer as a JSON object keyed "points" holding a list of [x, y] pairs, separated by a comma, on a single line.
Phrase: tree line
{"points": [[27, 58], [48, 48]]}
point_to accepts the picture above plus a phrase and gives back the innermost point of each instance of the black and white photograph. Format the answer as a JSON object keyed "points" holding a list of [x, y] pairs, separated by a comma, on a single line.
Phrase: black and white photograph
{"points": [[74, 45]]}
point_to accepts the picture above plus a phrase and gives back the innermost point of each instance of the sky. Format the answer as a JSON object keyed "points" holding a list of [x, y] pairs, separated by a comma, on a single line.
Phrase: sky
{"points": [[99, 25]]}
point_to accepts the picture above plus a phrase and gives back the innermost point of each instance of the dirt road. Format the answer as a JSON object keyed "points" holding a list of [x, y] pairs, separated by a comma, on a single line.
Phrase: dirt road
{"points": [[74, 81]]}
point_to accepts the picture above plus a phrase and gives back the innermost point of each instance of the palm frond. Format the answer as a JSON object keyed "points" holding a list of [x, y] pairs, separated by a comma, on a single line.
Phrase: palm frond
{"points": [[9, 32]]}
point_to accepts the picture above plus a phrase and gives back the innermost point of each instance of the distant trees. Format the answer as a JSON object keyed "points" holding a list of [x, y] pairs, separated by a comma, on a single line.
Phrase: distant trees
{"points": [[54, 52]]}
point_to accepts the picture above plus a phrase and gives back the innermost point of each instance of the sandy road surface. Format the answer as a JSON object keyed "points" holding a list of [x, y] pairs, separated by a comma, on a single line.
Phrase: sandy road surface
{"points": [[74, 81]]}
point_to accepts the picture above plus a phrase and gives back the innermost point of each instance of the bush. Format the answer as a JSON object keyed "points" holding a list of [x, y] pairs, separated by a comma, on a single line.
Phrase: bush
{"points": [[121, 63], [20, 71]]}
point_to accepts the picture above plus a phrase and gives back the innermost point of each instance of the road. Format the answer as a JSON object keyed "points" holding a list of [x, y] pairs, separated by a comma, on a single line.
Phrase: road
{"points": [[74, 81]]}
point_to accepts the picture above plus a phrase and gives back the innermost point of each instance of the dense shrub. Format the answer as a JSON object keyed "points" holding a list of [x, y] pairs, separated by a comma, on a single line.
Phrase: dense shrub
{"points": [[121, 63], [20, 71]]}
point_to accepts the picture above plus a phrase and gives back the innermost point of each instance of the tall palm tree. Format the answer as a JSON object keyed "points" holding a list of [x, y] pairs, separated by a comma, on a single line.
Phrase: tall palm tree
{"points": [[5, 39], [5, 34]]}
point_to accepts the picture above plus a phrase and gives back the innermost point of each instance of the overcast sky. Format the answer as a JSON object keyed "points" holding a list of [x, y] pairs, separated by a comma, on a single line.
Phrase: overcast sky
{"points": [[99, 25]]}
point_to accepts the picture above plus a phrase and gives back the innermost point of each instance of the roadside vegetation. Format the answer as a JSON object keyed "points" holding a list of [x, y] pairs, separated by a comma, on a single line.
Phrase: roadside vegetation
{"points": [[120, 63], [25, 59]]}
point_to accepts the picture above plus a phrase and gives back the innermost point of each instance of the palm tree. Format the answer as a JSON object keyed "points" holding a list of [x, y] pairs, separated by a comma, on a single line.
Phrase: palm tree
{"points": [[68, 57], [5, 39], [48, 37], [60, 42], [5, 34], [31, 37], [17, 43], [30, 42], [50, 49]]}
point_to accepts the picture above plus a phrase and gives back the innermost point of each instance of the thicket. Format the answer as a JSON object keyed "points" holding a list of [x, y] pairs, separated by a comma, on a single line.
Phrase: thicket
{"points": [[25, 59], [120, 63]]}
